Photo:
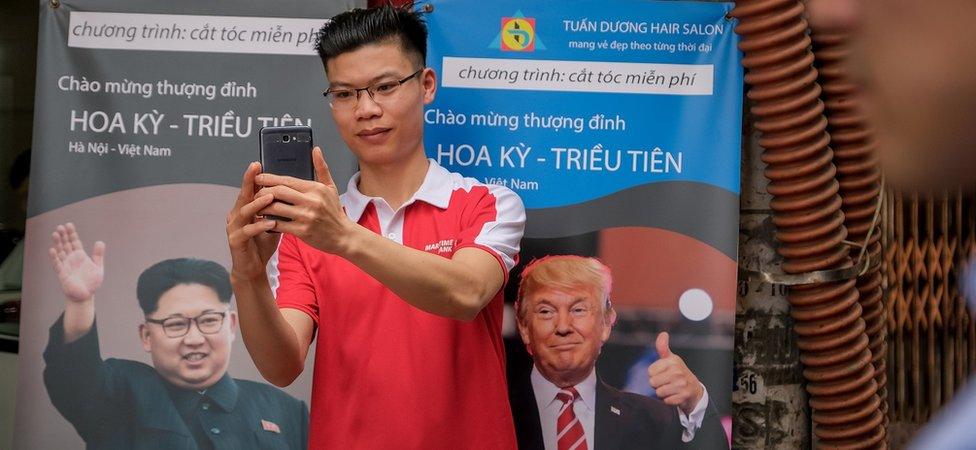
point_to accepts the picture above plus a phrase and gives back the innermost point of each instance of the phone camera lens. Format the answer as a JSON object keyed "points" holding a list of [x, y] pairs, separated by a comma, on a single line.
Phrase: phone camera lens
{"points": [[285, 138]]}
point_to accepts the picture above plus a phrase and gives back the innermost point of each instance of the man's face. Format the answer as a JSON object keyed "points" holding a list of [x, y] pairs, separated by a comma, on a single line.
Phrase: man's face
{"points": [[564, 331], [916, 63], [194, 360], [389, 129]]}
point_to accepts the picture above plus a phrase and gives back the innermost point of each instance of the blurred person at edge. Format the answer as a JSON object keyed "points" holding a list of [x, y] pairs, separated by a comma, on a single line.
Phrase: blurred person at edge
{"points": [[915, 63], [12, 267]]}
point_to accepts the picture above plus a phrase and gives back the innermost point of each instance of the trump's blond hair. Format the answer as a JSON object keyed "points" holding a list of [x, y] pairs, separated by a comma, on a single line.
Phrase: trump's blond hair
{"points": [[565, 273]]}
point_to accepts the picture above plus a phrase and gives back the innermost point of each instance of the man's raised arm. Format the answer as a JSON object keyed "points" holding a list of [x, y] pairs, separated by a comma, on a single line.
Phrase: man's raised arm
{"points": [[80, 276], [277, 339], [457, 288]]}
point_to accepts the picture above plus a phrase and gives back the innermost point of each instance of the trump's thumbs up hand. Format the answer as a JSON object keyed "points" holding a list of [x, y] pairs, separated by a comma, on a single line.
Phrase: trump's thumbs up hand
{"points": [[673, 381]]}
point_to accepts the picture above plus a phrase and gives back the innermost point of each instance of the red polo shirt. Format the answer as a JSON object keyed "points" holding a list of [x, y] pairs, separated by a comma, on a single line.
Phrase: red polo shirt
{"points": [[388, 375]]}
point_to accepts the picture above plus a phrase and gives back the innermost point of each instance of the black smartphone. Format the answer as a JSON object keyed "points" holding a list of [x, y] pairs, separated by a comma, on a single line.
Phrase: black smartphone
{"points": [[287, 151]]}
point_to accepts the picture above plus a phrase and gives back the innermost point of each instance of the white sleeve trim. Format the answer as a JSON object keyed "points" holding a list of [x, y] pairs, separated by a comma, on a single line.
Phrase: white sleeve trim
{"points": [[504, 234], [692, 422], [273, 273]]}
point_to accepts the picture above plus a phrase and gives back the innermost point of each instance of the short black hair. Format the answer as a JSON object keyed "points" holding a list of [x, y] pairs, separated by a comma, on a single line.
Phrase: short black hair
{"points": [[353, 29], [20, 169], [164, 275]]}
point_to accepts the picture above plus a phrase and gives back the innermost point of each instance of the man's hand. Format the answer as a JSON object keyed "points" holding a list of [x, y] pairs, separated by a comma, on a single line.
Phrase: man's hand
{"points": [[250, 245], [277, 339], [316, 214], [79, 274], [673, 381]]}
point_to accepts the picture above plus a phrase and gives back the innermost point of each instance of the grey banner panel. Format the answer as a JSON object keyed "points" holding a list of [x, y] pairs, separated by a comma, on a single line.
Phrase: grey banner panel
{"points": [[89, 143], [698, 210], [150, 167]]}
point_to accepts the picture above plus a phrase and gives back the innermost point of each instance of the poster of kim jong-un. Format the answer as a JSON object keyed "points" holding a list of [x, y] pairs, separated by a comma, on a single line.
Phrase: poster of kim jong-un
{"points": [[146, 115]]}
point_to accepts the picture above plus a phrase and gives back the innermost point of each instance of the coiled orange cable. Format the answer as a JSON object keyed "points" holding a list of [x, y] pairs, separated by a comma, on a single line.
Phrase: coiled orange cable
{"points": [[859, 174], [808, 212]]}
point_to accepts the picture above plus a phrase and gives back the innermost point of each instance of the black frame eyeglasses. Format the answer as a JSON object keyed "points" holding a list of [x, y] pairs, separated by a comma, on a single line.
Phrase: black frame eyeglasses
{"points": [[207, 323], [344, 99]]}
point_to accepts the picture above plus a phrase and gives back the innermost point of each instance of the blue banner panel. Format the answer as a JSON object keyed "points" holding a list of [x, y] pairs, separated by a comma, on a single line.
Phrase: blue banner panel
{"points": [[568, 105], [619, 125]]}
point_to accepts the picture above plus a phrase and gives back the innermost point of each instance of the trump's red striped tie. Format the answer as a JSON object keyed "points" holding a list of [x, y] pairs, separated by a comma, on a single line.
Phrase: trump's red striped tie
{"points": [[569, 430]]}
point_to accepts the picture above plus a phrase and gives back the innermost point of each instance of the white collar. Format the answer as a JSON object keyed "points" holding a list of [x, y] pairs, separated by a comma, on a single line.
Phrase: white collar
{"points": [[435, 190], [545, 391]]}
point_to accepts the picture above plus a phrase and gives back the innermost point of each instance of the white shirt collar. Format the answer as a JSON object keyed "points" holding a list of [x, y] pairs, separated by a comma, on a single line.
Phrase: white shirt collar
{"points": [[545, 391], [435, 190]]}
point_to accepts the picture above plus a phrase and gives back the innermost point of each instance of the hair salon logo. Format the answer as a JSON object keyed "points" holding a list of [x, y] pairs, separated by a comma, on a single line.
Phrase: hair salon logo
{"points": [[517, 35]]}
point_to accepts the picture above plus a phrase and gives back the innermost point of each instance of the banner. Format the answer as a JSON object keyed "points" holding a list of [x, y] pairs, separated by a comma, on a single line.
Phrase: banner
{"points": [[146, 115], [619, 125]]}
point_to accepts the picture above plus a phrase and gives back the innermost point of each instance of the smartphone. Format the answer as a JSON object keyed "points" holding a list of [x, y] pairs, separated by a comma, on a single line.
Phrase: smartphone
{"points": [[287, 151]]}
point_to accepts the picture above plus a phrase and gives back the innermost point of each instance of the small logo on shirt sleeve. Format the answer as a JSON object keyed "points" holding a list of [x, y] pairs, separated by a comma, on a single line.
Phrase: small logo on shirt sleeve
{"points": [[614, 410], [268, 425], [441, 246]]}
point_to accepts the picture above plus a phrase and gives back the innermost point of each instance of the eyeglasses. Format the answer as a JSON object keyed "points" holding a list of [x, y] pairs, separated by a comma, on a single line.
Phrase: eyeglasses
{"points": [[345, 99], [207, 323]]}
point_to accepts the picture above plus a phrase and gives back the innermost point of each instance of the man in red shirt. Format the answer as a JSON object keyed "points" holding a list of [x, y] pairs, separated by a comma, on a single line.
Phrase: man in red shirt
{"points": [[401, 276]]}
